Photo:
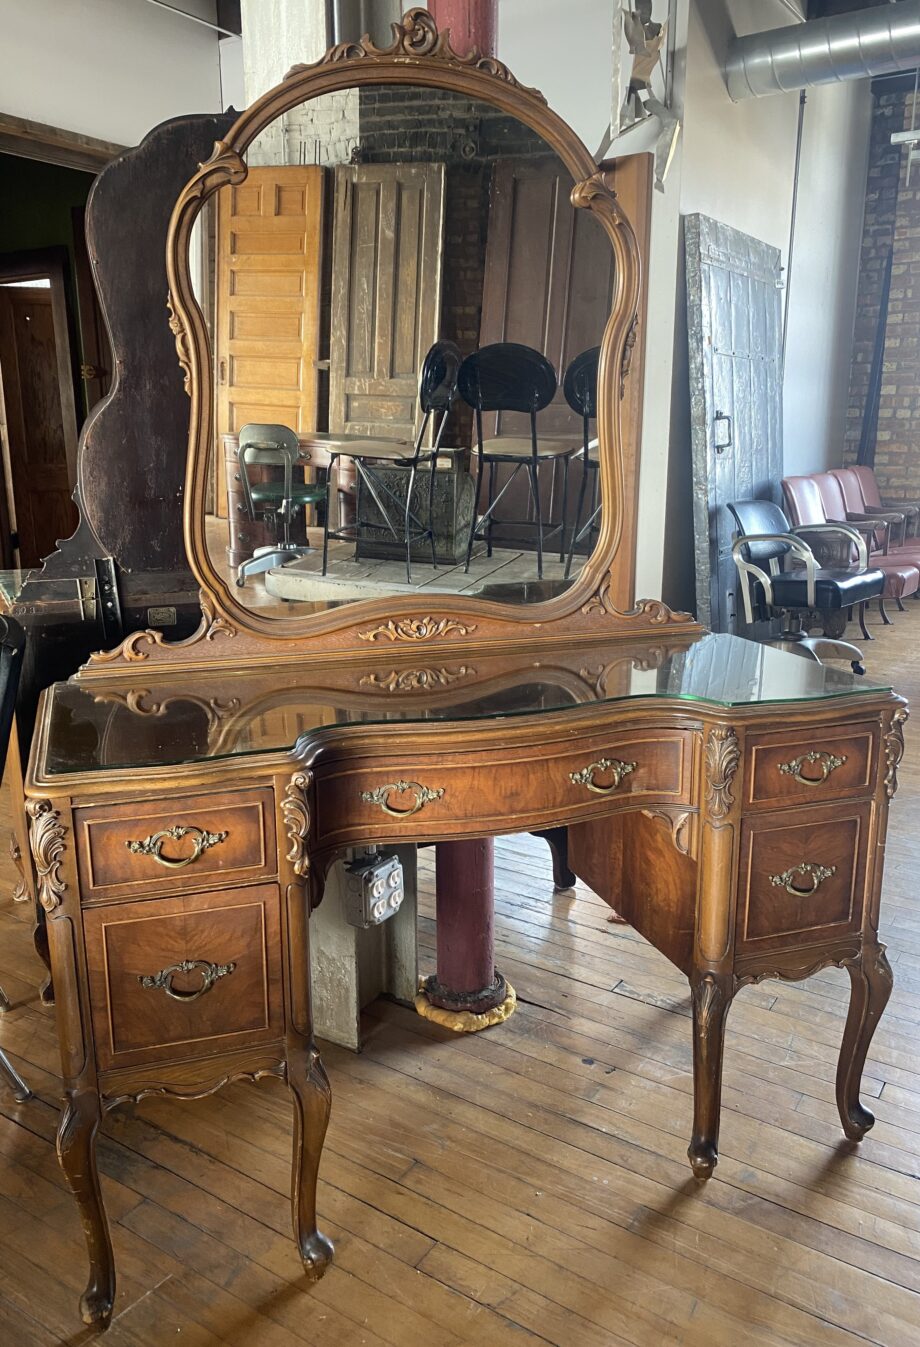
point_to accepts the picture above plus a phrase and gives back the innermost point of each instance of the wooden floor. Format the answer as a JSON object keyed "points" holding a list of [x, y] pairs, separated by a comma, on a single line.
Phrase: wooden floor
{"points": [[523, 1186]]}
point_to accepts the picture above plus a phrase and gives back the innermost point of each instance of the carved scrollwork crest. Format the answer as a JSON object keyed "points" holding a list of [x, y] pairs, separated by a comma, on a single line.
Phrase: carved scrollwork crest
{"points": [[417, 629], [414, 680], [139, 644], [650, 612], [894, 750], [416, 34], [722, 757], [183, 351], [296, 814], [47, 834]]}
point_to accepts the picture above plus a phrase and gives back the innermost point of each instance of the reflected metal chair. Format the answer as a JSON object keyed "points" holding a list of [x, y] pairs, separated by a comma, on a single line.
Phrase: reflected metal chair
{"points": [[509, 377], [273, 446], [762, 545], [12, 642], [436, 393], [580, 389]]}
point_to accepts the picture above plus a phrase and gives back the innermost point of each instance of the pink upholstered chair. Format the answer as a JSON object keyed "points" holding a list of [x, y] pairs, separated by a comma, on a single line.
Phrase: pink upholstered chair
{"points": [[872, 499], [807, 502], [858, 511]]}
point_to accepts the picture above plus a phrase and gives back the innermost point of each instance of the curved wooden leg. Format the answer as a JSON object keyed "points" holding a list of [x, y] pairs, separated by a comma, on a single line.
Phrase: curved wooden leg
{"points": [[712, 995], [76, 1149], [557, 840], [871, 981], [883, 611], [312, 1100]]}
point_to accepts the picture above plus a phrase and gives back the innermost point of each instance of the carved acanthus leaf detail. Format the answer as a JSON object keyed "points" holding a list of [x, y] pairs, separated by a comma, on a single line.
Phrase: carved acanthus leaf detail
{"points": [[647, 612], [183, 349], [722, 757], [412, 680], [297, 821], [47, 834], [416, 34], [628, 348], [894, 749], [707, 998], [679, 824], [417, 629], [138, 645]]}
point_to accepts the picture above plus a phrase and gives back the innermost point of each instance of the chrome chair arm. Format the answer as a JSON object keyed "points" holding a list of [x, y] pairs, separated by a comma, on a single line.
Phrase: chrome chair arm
{"points": [[795, 546]]}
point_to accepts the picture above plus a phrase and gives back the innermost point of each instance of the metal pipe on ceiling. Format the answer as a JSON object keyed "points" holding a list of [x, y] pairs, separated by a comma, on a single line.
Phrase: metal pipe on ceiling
{"points": [[193, 18], [857, 45]]}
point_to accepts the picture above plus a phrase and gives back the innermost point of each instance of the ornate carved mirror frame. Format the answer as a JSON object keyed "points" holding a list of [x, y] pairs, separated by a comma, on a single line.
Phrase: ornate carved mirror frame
{"points": [[595, 605]]}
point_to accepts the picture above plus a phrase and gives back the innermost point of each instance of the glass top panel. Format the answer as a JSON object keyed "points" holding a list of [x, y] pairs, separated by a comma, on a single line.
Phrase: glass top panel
{"points": [[161, 722]]}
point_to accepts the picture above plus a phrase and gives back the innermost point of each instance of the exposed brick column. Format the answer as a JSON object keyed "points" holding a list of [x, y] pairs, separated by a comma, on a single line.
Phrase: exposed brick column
{"points": [[467, 979]]}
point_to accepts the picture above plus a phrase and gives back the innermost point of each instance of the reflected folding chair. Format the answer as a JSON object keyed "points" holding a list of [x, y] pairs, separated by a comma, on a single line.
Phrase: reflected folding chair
{"points": [[436, 393], [273, 446], [12, 641], [580, 389], [509, 377]]}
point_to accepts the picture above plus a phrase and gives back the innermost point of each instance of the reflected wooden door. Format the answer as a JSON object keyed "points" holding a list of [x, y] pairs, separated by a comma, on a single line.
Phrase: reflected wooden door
{"points": [[269, 249], [35, 453], [386, 293]]}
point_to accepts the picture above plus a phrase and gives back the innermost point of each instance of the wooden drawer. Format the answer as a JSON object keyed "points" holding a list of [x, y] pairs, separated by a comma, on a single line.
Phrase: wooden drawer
{"points": [[174, 845], [421, 797], [183, 977], [801, 883], [830, 763]]}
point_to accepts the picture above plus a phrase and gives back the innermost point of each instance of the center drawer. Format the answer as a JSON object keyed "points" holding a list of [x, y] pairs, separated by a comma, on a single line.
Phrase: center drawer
{"points": [[175, 844], [424, 795]]}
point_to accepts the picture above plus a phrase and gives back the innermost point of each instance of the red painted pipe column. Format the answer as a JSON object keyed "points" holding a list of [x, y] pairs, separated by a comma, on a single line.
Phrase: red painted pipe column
{"points": [[466, 978]]}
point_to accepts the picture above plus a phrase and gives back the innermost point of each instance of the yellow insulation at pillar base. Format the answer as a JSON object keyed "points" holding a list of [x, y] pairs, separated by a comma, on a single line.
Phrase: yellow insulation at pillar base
{"points": [[464, 1021]]}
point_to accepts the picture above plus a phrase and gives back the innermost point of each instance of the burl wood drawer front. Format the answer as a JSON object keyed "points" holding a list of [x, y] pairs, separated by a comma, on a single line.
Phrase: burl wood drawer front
{"points": [[181, 977], [175, 844], [423, 796], [802, 882], [818, 764]]}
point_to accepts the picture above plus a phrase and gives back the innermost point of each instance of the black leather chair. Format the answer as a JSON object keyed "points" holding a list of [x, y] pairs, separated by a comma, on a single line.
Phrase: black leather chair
{"points": [[764, 543], [580, 389], [509, 377], [12, 641], [436, 393]]}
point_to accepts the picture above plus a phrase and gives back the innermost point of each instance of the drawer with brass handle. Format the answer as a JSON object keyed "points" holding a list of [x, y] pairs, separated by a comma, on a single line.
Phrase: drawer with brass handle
{"points": [[182, 843], [185, 976], [355, 804], [833, 762], [802, 880]]}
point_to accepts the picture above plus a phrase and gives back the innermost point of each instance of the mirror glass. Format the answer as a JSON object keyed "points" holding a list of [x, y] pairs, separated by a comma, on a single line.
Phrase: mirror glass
{"points": [[405, 312]]}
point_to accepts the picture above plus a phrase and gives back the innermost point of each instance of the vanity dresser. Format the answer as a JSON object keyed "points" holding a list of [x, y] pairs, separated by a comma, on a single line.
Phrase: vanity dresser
{"points": [[186, 799]]}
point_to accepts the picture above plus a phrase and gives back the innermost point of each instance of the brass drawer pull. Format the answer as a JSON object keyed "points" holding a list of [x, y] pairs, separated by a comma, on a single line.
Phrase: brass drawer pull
{"points": [[829, 763], [152, 846], [210, 973], [817, 874], [423, 795], [618, 768]]}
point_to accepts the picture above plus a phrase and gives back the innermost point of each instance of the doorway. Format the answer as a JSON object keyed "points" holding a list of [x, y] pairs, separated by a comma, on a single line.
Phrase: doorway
{"points": [[38, 416]]}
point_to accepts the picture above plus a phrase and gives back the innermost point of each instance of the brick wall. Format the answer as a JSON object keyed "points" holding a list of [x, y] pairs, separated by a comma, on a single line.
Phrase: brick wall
{"points": [[892, 220]]}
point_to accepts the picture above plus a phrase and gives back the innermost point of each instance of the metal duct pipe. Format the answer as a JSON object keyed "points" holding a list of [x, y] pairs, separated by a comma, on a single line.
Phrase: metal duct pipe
{"points": [[823, 51]]}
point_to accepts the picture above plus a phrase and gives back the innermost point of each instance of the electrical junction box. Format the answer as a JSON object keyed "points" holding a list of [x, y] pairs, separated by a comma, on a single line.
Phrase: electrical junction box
{"points": [[373, 889]]}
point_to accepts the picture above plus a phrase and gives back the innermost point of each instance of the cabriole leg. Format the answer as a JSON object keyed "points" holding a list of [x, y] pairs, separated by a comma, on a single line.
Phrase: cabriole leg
{"points": [[76, 1148], [312, 1100], [712, 994], [871, 981]]}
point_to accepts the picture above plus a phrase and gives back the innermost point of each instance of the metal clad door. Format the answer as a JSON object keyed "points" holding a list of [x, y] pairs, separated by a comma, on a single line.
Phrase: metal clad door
{"points": [[734, 322]]}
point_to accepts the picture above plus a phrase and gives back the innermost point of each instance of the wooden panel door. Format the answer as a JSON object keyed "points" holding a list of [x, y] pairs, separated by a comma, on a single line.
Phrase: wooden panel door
{"points": [[269, 248], [548, 279], [386, 293], [35, 452]]}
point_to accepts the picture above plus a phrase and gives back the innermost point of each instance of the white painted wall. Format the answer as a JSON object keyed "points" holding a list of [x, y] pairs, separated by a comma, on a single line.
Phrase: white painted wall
{"points": [[565, 51], [736, 163], [106, 68]]}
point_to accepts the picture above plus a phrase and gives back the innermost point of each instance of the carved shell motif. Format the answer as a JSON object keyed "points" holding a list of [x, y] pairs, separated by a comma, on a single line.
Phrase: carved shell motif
{"points": [[416, 34], [47, 834]]}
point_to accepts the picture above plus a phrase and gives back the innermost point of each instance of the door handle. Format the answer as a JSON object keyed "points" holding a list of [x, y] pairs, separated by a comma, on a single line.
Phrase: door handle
{"points": [[725, 441], [222, 372]]}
